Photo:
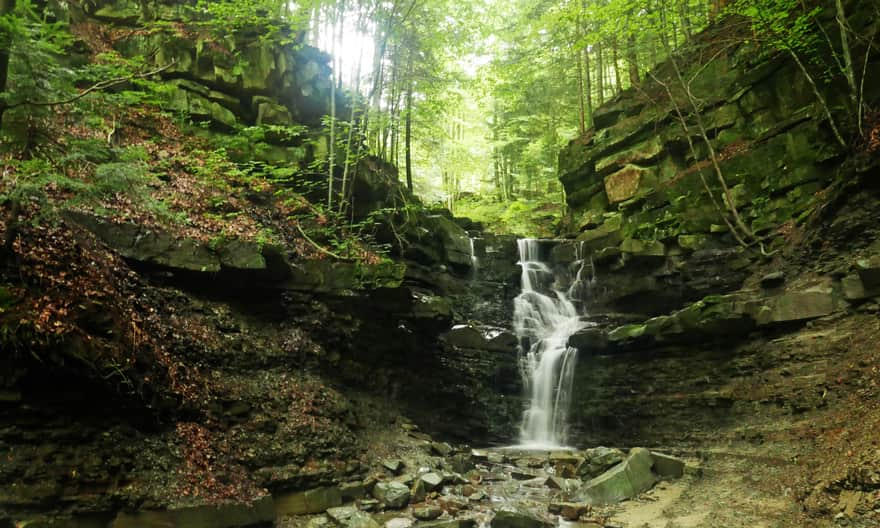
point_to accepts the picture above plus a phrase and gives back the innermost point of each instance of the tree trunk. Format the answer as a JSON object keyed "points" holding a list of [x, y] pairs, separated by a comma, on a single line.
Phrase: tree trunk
{"points": [[339, 35], [633, 60], [496, 175], [351, 127], [600, 75], [408, 140], [588, 88], [332, 150], [848, 71], [615, 59], [6, 7], [685, 20], [582, 112]]}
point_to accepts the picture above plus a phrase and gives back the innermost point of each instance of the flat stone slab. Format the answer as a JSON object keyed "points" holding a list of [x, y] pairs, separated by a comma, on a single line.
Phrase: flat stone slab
{"points": [[797, 306], [221, 516], [316, 500], [624, 481], [666, 466]]}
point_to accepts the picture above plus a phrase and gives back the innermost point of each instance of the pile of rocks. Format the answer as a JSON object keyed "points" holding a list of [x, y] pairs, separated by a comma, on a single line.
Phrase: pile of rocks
{"points": [[447, 487]]}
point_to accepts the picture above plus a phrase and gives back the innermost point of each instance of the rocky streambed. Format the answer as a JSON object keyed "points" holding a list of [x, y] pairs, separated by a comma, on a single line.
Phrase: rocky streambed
{"points": [[418, 481]]}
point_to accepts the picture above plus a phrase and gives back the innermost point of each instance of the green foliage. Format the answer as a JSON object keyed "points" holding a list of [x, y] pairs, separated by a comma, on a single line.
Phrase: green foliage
{"points": [[785, 24], [273, 18], [525, 217]]}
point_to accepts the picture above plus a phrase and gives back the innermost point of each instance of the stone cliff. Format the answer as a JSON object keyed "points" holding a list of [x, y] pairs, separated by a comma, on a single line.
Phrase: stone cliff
{"points": [[695, 339]]}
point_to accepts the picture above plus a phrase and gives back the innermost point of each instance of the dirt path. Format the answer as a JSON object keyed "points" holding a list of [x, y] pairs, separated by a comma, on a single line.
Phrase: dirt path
{"points": [[722, 492]]}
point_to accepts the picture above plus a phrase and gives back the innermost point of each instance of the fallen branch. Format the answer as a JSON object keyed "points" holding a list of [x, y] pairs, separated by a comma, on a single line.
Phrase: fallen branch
{"points": [[318, 246], [97, 87]]}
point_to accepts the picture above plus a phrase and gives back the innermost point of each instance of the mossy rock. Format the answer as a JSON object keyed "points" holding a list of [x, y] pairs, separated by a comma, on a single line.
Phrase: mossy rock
{"points": [[240, 254], [121, 12], [270, 112], [260, 66], [627, 332], [643, 248]]}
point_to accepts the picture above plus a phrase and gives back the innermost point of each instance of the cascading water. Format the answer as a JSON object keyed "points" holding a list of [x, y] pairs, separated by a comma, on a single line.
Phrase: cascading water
{"points": [[475, 262], [543, 324]]}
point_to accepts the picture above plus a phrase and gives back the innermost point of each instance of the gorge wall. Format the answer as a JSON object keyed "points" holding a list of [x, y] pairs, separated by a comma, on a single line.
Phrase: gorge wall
{"points": [[698, 341]]}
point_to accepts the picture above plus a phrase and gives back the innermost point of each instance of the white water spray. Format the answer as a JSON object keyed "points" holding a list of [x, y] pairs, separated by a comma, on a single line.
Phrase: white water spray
{"points": [[543, 324], [475, 262]]}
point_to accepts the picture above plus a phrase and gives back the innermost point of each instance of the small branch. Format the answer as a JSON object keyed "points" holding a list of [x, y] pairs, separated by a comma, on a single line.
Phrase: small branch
{"points": [[101, 85], [861, 106], [683, 122], [819, 96], [746, 232], [318, 246]]}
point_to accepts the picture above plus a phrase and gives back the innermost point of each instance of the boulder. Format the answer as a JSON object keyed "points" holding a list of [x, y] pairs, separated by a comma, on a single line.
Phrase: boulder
{"points": [[456, 243], [316, 500], [666, 466], [242, 255], [456, 523], [360, 519], [626, 183], [368, 504], [501, 341], [599, 459], [441, 448], [796, 306], [393, 494], [554, 482], [431, 480], [588, 339], [417, 492], [465, 336], [270, 112], [341, 514], [627, 333], [427, 513], [570, 511], [228, 515], [646, 249], [641, 153], [606, 235], [773, 280], [624, 481], [693, 242], [119, 13], [868, 270], [393, 465], [352, 491], [518, 519], [854, 289], [405, 479]]}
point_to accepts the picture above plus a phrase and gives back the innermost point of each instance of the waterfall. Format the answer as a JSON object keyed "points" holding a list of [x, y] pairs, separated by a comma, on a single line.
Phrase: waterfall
{"points": [[475, 262], [543, 319]]}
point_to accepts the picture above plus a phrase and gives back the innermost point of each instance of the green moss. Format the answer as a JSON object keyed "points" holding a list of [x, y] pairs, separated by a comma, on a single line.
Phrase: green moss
{"points": [[627, 332]]}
